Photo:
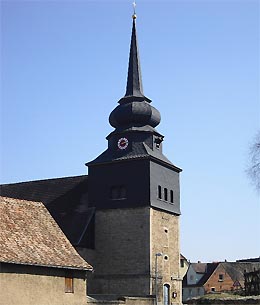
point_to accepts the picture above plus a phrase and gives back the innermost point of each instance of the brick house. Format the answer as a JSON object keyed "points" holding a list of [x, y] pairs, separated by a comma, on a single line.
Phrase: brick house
{"points": [[36, 258], [203, 278], [229, 276]]}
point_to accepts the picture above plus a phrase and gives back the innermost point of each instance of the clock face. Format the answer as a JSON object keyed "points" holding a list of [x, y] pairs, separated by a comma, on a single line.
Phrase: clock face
{"points": [[122, 143]]}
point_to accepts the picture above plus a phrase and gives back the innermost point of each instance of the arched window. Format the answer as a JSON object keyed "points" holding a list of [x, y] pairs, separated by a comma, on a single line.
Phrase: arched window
{"points": [[166, 294]]}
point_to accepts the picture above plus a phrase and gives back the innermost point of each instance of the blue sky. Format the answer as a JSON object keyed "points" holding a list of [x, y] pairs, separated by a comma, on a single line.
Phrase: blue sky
{"points": [[64, 67]]}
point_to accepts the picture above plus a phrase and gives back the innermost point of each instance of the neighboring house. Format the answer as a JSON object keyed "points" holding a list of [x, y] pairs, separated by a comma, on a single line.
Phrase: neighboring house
{"points": [[202, 278], [184, 265], [196, 276], [229, 276], [38, 265]]}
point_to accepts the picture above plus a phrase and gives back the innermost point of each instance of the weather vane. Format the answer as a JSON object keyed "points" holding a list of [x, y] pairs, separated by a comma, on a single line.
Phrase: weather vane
{"points": [[134, 5]]}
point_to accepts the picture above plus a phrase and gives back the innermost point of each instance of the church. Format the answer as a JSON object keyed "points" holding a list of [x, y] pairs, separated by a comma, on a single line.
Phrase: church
{"points": [[123, 217]]}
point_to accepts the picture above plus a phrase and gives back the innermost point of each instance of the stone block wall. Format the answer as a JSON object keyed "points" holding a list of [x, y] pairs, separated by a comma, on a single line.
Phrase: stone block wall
{"points": [[122, 242], [253, 300], [123, 301], [124, 259], [165, 240]]}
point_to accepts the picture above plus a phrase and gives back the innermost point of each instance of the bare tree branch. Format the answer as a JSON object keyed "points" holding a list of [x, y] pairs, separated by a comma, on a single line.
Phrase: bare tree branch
{"points": [[254, 157]]}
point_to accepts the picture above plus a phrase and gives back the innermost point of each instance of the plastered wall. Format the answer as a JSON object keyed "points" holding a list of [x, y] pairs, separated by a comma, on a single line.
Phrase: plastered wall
{"points": [[27, 285]]}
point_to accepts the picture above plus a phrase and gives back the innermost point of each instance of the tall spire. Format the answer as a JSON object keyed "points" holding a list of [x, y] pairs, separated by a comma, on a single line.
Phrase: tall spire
{"points": [[134, 110], [134, 87], [134, 79]]}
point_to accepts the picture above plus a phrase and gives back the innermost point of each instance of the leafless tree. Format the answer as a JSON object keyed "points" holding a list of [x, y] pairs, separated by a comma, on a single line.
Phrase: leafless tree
{"points": [[253, 170]]}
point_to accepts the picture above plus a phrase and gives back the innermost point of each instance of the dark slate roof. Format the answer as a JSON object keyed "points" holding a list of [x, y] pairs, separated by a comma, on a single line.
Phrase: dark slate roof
{"points": [[249, 260], [45, 191], [30, 236], [67, 201], [210, 268], [199, 267], [134, 85], [236, 269], [138, 151]]}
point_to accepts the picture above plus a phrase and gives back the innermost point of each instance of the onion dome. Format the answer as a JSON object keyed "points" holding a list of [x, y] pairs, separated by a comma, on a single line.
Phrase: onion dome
{"points": [[134, 108]]}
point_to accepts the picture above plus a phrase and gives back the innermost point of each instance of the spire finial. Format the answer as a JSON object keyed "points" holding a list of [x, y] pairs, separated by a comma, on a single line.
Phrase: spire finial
{"points": [[134, 15]]}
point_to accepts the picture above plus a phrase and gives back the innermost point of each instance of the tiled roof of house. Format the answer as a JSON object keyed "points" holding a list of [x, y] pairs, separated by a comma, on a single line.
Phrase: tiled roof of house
{"points": [[65, 198], [30, 236], [210, 268], [236, 269], [199, 267], [249, 260], [45, 191]]}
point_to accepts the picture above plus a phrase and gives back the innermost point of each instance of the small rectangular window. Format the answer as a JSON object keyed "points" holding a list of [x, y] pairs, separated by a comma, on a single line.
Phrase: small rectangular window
{"points": [[165, 194], [171, 196], [118, 192], [159, 192], [220, 277], [69, 283], [114, 192], [122, 192], [182, 263]]}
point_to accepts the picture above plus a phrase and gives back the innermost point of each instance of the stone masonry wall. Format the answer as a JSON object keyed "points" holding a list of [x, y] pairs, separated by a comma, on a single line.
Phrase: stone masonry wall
{"points": [[251, 300], [165, 240], [122, 263], [123, 301], [124, 259]]}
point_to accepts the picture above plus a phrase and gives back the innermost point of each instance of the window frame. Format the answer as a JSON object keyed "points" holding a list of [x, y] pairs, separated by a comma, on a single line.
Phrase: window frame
{"points": [[69, 282]]}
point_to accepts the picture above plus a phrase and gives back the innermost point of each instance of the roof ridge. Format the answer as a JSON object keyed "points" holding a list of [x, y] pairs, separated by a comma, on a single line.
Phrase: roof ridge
{"points": [[47, 179]]}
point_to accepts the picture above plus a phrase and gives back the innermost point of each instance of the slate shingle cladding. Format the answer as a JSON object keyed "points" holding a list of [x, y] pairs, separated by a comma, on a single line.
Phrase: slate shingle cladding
{"points": [[45, 191], [30, 236]]}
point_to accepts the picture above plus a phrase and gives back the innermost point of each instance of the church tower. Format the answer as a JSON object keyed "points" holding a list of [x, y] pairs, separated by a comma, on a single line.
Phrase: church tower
{"points": [[135, 190]]}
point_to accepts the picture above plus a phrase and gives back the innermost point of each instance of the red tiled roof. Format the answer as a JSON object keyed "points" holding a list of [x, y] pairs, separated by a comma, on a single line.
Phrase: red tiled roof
{"points": [[29, 235]]}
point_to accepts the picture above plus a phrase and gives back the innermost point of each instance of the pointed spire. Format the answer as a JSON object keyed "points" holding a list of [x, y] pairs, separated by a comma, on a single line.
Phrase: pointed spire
{"points": [[134, 79], [134, 87]]}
